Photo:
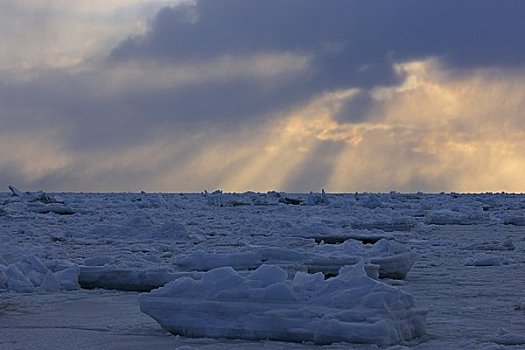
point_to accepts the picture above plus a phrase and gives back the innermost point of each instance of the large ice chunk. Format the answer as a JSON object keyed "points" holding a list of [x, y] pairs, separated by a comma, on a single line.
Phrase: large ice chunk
{"points": [[450, 217], [203, 261], [29, 274], [265, 305], [394, 259], [385, 258], [126, 278]]}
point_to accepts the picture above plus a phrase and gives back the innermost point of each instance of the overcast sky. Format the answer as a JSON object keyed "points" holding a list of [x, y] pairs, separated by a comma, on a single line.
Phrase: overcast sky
{"points": [[159, 95]]}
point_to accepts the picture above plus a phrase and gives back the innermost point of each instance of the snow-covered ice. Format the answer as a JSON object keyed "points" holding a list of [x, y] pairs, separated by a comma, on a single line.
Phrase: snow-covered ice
{"points": [[392, 259], [27, 273], [506, 337], [460, 256], [351, 307]]}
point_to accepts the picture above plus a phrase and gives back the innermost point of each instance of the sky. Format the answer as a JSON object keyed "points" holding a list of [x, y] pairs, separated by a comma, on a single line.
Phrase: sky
{"points": [[187, 95]]}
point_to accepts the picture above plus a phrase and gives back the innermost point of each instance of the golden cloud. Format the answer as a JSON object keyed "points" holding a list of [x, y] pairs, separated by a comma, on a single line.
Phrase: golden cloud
{"points": [[436, 132]]}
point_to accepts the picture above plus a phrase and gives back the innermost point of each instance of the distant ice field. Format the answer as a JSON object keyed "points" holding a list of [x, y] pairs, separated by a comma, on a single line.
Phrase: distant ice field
{"points": [[262, 270]]}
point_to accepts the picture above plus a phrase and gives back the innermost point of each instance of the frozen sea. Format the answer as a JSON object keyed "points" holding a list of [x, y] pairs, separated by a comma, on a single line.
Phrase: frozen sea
{"points": [[74, 266]]}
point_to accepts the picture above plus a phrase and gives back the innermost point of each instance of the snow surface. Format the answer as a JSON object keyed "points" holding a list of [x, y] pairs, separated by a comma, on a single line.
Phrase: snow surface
{"points": [[351, 307], [464, 257]]}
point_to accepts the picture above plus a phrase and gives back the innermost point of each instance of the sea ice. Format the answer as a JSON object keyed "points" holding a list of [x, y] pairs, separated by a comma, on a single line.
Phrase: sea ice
{"points": [[17, 281], [456, 217], [100, 260], [129, 241], [485, 259], [506, 337], [515, 220], [3, 277], [385, 258], [371, 201], [57, 208], [127, 278], [316, 199], [393, 258], [38, 196], [266, 305], [28, 273]]}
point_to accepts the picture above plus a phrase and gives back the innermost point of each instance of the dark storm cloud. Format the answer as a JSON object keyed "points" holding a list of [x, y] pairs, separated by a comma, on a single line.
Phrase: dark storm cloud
{"points": [[357, 109], [70, 103], [333, 33], [191, 72], [345, 35], [92, 119], [353, 44], [224, 102]]}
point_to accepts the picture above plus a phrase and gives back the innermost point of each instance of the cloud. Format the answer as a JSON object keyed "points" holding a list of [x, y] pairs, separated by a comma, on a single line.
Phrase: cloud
{"points": [[437, 132], [258, 95], [354, 42], [337, 45], [123, 105], [61, 33], [357, 109], [440, 131], [30, 155]]}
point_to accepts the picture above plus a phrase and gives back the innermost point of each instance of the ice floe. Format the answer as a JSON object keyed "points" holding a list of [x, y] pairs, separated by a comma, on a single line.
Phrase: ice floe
{"points": [[506, 337], [144, 241], [27, 273], [126, 278], [266, 305], [386, 259], [486, 259]]}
